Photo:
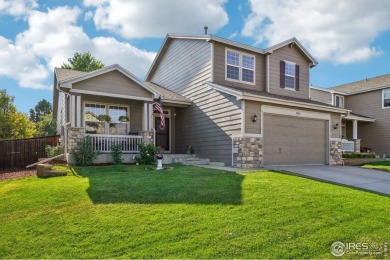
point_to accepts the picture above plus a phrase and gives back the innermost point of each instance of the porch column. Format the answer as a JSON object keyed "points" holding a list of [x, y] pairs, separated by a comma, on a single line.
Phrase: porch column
{"points": [[72, 110], [145, 117], [355, 131], [78, 110], [150, 116]]}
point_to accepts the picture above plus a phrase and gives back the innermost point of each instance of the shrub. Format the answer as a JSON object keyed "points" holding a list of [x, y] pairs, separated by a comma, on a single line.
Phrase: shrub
{"points": [[116, 153], [147, 153], [52, 151], [84, 154], [358, 155]]}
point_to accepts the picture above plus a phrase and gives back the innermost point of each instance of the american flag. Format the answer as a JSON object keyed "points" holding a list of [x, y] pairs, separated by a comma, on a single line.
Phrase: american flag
{"points": [[159, 108]]}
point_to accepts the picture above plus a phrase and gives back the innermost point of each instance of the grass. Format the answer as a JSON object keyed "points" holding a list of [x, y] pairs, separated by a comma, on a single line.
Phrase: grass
{"points": [[385, 165], [187, 212]]}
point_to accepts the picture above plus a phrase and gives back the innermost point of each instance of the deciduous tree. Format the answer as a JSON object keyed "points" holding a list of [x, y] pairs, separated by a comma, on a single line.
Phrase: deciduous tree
{"points": [[83, 62]]}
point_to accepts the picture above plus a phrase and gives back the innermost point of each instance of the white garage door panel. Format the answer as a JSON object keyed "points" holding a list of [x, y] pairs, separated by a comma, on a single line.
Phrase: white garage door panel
{"points": [[293, 140]]}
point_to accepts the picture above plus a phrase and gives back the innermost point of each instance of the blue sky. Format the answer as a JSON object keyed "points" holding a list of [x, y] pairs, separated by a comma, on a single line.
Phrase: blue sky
{"points": [[350, 39]]}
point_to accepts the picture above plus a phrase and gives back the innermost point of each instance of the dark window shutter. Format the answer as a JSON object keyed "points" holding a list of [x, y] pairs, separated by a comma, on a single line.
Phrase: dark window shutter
{"points": [[296, 77], [282, 74]]}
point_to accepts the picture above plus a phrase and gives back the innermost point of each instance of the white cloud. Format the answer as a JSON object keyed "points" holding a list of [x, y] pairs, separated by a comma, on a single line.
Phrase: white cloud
{"points": [[341, 31], [233, 35], [17, 7], [137, 19], [52, 38], [21, 64]]}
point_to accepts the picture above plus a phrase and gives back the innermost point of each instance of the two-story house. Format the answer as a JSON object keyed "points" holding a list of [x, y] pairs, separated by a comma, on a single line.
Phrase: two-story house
{"points": [[232, 103], [366, 127]]}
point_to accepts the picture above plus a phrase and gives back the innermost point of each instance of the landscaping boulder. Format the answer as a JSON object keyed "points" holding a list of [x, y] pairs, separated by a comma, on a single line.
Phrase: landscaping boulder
{"points": [[46, 170]]}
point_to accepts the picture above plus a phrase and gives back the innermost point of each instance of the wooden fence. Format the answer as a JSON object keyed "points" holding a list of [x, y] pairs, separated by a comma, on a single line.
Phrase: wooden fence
{"points": [[17, 154]]}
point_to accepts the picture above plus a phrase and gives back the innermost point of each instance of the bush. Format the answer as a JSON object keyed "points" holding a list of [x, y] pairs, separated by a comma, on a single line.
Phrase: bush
{"points": [[116, 153], [358, 155], [147, 153], [52, 151], [84, 154]]}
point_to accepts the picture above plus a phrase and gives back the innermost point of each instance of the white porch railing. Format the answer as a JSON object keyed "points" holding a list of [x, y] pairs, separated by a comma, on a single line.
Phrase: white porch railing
{"points": [[347, 146], [103, 143]]}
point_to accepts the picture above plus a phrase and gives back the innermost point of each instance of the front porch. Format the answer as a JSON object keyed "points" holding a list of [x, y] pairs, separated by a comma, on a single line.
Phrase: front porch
{"points": [[350, 141]]}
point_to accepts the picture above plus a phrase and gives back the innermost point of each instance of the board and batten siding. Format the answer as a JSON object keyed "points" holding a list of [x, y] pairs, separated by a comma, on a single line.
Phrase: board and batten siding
{"points": [[292, 54], [184, 66], [321, 96], [113, 82], [207, 125], [374, 135], [219, 68], [252, 108]]}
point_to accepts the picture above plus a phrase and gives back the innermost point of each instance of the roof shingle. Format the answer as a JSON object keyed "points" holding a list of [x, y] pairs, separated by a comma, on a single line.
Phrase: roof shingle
{"points": [[365, 84]]}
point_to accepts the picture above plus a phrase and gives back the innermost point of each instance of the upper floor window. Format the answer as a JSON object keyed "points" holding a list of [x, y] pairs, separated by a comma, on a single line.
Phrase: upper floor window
{"points": [[339, 101], [386, 98], [240, 66], [289, 75]]}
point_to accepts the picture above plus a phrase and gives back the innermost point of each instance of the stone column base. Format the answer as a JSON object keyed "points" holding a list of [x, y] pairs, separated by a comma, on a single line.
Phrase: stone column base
{"points": [[247, 152], [357, 145], [335, 153], [147, 137]]}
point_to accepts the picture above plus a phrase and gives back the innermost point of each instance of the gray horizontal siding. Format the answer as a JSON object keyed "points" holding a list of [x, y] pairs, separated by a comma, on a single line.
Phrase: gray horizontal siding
{"points": [[207, 125], [321, 96], [219, 69], [293, 55], [184, 65], [375, 135], [252, 108], [335, 119], [113, 82]]}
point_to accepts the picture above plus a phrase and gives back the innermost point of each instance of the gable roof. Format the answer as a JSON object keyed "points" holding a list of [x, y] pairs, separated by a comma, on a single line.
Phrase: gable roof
{"points": [[69, 77], [169, 96], [209, 37], [64, 74], [365, 85]]}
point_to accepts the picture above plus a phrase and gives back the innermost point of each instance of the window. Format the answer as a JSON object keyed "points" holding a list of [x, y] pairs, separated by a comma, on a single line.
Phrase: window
{"points": [[289, 75], [386, 98], [119, 124], [339, 101], [92, 124], [240, 66]]}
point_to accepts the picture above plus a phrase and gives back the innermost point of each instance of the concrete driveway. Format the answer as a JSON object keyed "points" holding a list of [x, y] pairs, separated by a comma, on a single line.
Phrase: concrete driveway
{"points": [[356, 177]]}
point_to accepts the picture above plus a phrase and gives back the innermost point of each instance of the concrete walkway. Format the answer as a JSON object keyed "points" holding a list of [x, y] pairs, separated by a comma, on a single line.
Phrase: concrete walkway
{"points": [[355, 177]]}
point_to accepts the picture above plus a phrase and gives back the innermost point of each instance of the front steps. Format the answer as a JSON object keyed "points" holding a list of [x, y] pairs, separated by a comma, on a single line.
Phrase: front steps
{"points": [[191, 159]]}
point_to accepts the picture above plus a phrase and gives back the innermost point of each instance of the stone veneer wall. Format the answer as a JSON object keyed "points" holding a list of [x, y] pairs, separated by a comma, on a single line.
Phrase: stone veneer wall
{"points": [[247, 152], [335, 152], [74, 135], [357, 145], [147, 136]]}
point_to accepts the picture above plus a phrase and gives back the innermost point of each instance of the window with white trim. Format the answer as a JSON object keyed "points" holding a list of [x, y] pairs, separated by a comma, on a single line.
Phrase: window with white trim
{"points": [[339, 101], [386, 98], [95, 122], [240, 66], [290, 75]]}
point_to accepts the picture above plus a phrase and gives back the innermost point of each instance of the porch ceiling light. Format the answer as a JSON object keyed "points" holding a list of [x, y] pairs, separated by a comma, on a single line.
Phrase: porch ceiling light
{"points": [[336, 126], [254, 118]]}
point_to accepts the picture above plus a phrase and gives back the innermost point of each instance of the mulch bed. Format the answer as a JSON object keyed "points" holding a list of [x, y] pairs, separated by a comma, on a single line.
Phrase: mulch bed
{"points": [[6, 175]]}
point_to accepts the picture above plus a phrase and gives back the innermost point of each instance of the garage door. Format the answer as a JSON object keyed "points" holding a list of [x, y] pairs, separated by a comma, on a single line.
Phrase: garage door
{"points": [[293, 140]]}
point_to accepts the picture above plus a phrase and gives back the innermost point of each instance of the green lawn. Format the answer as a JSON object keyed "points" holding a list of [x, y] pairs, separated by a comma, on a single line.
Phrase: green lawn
{"points": [[187, 212], [385, 165]]}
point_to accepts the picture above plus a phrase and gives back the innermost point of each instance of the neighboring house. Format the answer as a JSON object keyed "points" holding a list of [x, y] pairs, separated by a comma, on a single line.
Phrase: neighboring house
{"points": [[236, 104], [369, 102]]}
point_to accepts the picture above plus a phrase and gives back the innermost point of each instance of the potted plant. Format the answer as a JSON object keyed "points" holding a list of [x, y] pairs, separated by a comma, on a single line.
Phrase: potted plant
{"points": [[190, 150], [104, 118], [123, 119]]}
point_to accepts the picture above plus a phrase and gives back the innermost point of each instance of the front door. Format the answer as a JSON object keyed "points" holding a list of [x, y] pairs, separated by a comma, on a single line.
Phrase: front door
{"points": [[162, 136]]}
